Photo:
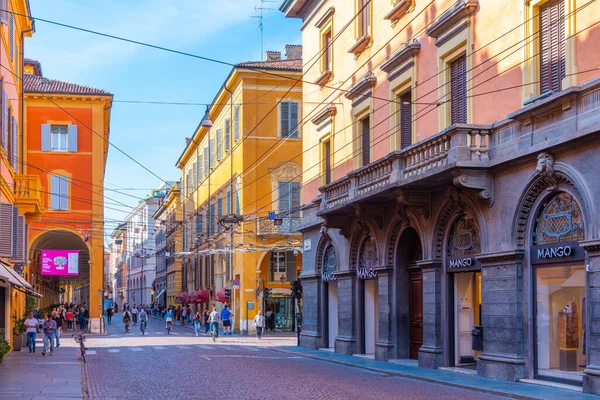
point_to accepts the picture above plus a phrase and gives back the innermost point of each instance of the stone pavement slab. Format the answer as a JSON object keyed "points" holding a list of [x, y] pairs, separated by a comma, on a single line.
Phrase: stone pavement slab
{"points": [[503, 388], [25, 375]]}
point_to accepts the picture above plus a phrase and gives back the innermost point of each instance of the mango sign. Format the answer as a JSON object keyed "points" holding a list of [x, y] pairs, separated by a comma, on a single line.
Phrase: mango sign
{"points": [[60, 262]]}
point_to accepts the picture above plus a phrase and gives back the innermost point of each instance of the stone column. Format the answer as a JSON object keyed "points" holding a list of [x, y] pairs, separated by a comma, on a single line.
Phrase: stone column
{"points": [[345, 342], [502, 315], [430, 353], [312, 324], [384, 346], [591, 379]]}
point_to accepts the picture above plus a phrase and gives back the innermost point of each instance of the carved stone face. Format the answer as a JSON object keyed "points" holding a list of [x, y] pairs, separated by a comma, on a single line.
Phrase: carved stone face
{"points": [[545, 163]]}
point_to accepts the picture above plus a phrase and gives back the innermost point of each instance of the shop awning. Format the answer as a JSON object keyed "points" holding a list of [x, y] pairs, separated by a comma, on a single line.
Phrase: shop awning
{"points": [[162, 292], [30, 292], [9, 275]]}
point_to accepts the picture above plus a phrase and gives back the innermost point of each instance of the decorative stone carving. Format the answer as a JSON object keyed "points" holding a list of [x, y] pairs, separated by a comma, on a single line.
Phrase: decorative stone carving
{"points": [[483, 182], [545, 167], [324, 228], [420, 201]]}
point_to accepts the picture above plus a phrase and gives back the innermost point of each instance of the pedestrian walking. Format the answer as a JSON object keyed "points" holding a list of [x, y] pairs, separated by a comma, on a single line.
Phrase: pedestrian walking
{"points": [[226, 318], [197, 318], [69, 317], [206, 316], [31, 324], [188, 313], [270, 320], [259, 323], [76, 318], [49, 328], [183, 316], [109, 314], [57, 317]]}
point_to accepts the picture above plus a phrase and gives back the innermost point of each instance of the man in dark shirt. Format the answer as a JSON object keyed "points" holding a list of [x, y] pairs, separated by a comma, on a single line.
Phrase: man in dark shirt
{"points": [[58, 318], [49, 327]]}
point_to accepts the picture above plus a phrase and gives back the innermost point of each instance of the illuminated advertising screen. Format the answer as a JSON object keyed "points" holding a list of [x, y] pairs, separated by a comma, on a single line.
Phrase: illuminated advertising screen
{"points": [[60, 262]]}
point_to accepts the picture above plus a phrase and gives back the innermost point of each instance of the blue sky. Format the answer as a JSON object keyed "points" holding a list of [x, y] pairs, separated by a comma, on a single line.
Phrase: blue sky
{"points": [[152, 134]]}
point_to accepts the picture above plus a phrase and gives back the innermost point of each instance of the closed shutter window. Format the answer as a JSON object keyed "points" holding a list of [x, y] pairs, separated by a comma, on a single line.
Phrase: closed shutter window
{"points": [[5, 120], [552, 45], [289, 199], [405, 120], [227, 138], [366, 141], [199, 227], [364, 20], [219, 211], [4, 11], [219, 144], [327, 161], [59, 192], [14, 145], [328, 42], [211, 151], [11, 35], [212, 218], [6, 227], [188, 182], [200, 168], [228, 202], [236, 122], [289, 119], [458, 90], [206, 160], [238, 205]]}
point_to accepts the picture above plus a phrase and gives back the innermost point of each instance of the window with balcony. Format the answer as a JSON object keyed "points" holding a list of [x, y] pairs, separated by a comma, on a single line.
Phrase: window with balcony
{"points": [[365, 141], [552, 45], [362, 26], [289, 199], [458, 90], [406, 117], [326, 157], [283, 266]]}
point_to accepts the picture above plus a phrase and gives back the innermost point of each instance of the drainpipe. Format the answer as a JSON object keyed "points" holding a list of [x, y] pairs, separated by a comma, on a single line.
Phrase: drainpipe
{"points": [[22, 109], [228, 272]]}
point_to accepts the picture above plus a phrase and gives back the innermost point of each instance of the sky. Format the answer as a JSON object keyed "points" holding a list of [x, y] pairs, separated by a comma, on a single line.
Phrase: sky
{"points": [[154, 135]]}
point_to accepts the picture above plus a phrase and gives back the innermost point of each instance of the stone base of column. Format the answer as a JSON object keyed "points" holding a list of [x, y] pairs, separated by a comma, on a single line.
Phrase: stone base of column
{"points": [[345, 345], [94, 325], [499, 367], [591, 379], [384, 351], [430, 357], [310, 340]]}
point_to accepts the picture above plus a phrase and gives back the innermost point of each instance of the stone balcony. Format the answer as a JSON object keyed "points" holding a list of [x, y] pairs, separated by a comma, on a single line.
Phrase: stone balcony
{"points": [[29, 194], [464, 154]]}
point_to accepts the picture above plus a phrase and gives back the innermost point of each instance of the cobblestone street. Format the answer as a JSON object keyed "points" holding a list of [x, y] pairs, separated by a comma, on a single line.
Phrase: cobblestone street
{"points": [[183, 366]]}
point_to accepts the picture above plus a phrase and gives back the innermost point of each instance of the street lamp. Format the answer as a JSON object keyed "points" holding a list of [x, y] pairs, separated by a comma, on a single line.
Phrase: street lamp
{"points": [[206, 122]]}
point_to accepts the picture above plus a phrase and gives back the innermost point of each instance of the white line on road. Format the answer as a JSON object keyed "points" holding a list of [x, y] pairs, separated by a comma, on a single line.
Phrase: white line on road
{"points": [[159, 347], [90, 352], [205, 347], [113, 350], [252, 349], [230, 348], [184, 347], [136, 349], [174, 333]]}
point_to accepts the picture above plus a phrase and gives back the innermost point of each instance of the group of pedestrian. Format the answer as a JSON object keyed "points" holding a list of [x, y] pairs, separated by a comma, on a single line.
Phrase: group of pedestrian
{"points": [[52, 324]]}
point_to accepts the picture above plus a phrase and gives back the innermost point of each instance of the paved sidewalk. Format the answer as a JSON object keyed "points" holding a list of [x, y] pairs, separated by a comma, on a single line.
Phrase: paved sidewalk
{"points": [[503, 388], [33, 376]]}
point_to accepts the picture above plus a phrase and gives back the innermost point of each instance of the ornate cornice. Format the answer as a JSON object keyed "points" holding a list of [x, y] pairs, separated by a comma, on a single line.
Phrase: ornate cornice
{"points": [[460, 10], [326, 112], [362, 86], [404, 54], [491, 259]]}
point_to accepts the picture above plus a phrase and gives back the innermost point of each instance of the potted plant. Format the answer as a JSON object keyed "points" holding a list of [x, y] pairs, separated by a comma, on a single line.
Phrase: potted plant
{"points": [[18, 331], [4, 345]]}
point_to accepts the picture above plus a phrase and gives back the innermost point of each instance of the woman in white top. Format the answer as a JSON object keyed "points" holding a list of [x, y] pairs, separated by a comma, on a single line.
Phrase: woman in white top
{"points": [[259, 323]]}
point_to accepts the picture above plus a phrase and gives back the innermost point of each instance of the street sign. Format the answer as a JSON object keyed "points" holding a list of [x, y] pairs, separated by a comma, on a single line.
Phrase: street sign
{"points": [[235, 286], [250, 305], [272, 215], [236, 281]]}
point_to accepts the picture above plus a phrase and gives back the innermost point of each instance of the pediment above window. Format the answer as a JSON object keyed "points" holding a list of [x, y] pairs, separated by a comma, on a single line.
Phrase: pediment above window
{"points": [[362, 86], [455, 14], [404, 54]]}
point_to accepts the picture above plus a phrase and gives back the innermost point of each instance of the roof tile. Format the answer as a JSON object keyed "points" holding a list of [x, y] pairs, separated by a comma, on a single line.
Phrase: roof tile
{"points": [[288, 65], [38, 84]]}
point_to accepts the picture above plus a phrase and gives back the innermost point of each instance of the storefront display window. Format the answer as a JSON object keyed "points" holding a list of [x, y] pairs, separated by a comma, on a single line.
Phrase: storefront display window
{"points": [[560, 310]]}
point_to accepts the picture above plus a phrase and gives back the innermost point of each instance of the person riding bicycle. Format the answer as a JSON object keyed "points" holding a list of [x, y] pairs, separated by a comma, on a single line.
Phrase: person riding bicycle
{"points": [[126, 319], [169, 316], [214, 321], [143, 316]]}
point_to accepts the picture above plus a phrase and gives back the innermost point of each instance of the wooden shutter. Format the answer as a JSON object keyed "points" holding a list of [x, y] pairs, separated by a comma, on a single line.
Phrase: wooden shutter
{"points": [[290, 266], [227, 138], [284, 199], [228, 202], [200, 168], [458, 90], [211, 152], [293, 129], [285, 119], [11, 35], [295, 201], [207, 223], [327, 161], [195, 169], [188, 182], [238, 205], [45, 137], [64, 192], [6, 227], [236, 122], [72, 137], [219, 144], [15, 232], [55, 192], [219, 212], [212, 218], [14, 145], [405, 120], [366, 17], [206, 161], [5, 120], [328, 51], [552, 45], [366, 141]]}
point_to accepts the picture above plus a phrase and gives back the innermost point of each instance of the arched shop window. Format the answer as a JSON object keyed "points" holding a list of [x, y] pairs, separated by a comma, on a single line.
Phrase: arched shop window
{"points": [[368, 254], [329, 263], [464, 237], [560, 221]]}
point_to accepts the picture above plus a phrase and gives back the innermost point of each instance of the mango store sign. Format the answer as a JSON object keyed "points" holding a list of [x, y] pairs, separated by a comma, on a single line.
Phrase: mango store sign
{"points": [[366, 273], [556, 252]]}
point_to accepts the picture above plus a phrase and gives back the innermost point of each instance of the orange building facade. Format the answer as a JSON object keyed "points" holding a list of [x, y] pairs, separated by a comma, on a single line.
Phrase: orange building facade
{"points": [[66, 130]]}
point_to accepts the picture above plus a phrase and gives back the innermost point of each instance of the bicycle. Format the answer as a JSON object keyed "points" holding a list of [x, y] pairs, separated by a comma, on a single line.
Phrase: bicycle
{"points": [[143, 326], [80, 338], [168, 328]]}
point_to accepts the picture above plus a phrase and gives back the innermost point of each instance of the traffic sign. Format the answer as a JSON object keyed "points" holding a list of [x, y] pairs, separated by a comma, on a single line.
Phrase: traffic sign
{"points": [[272, 215], [236, 281], [235, 286]]}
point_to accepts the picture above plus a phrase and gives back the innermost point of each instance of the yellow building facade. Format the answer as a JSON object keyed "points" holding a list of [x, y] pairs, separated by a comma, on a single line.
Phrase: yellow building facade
{"points": [[244, 166]]}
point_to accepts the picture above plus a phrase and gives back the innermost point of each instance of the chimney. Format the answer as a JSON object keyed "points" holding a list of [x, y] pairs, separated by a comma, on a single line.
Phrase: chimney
{"points": [[293, 51], [187, 141], [273, 55]]}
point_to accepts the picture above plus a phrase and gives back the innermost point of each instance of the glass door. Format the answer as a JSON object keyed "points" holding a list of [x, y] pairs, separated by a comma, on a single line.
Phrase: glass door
{"points": [[467, 301]]}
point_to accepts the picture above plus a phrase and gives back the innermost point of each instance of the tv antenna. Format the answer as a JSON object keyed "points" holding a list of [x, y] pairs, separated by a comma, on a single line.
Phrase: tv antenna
{"points": [[259, 10]]}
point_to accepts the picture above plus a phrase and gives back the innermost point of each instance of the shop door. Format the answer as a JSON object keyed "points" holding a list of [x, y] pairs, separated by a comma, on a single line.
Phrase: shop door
{"points": [[416, 314], [370, 316], [467, 294], [332, 313]]}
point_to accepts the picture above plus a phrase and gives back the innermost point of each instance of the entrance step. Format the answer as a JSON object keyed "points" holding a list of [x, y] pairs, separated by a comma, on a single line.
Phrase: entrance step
{"points": [[552, 384], [329, 349], [405, 361], [369, 356], [459, 370]]}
